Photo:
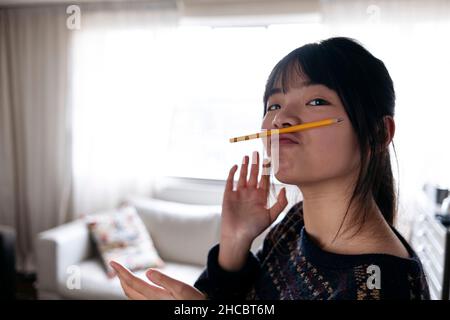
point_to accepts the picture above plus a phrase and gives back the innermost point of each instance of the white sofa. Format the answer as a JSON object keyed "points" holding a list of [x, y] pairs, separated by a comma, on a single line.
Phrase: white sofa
{"points": [[68, 268]]}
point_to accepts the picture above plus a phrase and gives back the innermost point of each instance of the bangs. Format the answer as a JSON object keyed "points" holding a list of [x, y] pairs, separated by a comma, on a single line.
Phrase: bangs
{"points": [[307, 63]]}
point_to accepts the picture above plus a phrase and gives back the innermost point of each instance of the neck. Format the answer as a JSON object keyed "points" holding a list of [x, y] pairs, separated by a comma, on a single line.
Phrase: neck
{"points": [[324, 209]]}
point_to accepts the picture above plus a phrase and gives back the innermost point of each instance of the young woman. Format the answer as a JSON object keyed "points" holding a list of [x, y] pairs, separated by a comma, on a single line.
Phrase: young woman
{"points": [[339, 241]]}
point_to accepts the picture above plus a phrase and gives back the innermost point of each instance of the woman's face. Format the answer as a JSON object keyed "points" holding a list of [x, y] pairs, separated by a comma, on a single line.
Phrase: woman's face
{"points": [[322, 153]]}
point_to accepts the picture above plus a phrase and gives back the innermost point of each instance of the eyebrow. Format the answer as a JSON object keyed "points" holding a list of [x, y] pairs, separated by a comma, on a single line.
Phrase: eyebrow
{"points": [[276, 90]]}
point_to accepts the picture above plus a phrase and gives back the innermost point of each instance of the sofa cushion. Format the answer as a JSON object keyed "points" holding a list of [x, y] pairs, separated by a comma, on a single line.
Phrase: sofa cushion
{"points": [[181, 232], [121, 236]]}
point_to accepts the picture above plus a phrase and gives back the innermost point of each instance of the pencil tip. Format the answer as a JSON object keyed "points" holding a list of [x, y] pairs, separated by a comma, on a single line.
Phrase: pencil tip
{"points": [[339, 120]]}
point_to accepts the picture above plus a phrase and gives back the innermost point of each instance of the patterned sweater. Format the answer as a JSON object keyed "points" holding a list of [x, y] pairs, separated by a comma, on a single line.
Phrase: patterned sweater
{"points": [[291, 266]]}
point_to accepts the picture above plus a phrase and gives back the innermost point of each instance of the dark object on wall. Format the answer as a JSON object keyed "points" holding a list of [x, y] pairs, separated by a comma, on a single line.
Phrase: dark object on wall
{"points": [[7, 264], [444, 219], [436, 193], [441, 194]]}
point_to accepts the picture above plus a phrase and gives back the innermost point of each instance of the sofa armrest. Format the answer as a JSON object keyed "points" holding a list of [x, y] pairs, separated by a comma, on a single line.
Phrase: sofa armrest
{"points": [[59, 248]]}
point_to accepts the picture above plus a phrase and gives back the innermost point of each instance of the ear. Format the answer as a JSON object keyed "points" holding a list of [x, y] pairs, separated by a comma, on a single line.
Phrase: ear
{"points": [[389, 124]]}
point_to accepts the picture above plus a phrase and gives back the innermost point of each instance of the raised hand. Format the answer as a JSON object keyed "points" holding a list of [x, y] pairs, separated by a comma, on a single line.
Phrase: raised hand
{"points": [[244, 212]]}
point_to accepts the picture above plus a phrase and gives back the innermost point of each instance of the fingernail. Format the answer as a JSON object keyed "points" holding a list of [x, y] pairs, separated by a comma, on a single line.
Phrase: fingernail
{"points": [[254, 155]]}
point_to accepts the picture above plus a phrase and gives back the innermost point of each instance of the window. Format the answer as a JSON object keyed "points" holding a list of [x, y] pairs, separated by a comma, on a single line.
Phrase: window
{"points": [[149, 105]]}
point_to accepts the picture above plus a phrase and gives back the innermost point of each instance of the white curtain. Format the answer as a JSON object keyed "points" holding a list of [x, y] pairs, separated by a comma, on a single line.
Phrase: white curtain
{"points": [[55, 162], [121, 109], [35, 150]]}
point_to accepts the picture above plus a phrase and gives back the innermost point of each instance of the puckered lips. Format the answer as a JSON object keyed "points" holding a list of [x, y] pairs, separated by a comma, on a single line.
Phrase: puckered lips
{"points": [[288, 138]]}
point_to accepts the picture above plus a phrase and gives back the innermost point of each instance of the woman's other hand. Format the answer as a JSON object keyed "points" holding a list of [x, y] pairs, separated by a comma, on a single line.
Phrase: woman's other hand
{"points": [[167, 288]]}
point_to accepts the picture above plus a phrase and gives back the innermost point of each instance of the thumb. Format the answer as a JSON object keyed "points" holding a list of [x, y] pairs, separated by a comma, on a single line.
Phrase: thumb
{"points": [[279, 206]]}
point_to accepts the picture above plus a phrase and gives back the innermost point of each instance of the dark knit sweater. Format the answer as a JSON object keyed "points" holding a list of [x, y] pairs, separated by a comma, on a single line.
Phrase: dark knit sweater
{"points": [[291, 266]]}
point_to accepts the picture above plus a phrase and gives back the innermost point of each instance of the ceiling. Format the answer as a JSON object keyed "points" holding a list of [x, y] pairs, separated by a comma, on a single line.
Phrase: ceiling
{"points": [[187, 2], [37, 2], [212, 8]]}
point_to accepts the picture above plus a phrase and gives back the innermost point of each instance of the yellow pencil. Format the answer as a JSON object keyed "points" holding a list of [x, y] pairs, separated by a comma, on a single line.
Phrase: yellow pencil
{"points": [[296, 128]]}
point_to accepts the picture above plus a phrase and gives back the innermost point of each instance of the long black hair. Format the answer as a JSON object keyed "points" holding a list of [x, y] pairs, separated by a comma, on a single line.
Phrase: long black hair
{"points": [[366, 90]]}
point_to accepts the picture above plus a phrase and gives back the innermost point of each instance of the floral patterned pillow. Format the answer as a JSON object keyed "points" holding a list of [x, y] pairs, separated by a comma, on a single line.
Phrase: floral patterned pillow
{"points": [[121, 236]]}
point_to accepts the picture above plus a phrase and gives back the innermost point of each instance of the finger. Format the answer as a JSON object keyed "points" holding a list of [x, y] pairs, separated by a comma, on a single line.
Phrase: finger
{"points": [[242, 183], [173, 286], [130, 292], [135, 295], [265, 177], [178, 289], [253, 181], [137, 284], [230, 179], [279, 206]]}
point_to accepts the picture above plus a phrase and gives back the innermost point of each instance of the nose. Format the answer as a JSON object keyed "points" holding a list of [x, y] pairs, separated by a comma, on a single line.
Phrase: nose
{"points": [[283, 120], [284, 125]]}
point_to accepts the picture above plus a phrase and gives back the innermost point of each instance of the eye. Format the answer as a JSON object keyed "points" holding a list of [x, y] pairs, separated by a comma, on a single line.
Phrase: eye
{"points": [[272, 107], [318, 102]]}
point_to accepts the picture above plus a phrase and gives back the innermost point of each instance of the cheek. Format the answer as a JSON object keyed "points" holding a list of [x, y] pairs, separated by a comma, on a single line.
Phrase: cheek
{"points": [[267, 120], [335, 155], [325, 154]]}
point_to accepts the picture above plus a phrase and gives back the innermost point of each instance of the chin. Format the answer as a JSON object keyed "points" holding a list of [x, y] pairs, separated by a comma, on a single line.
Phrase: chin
{"points": [[286, 176]]}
